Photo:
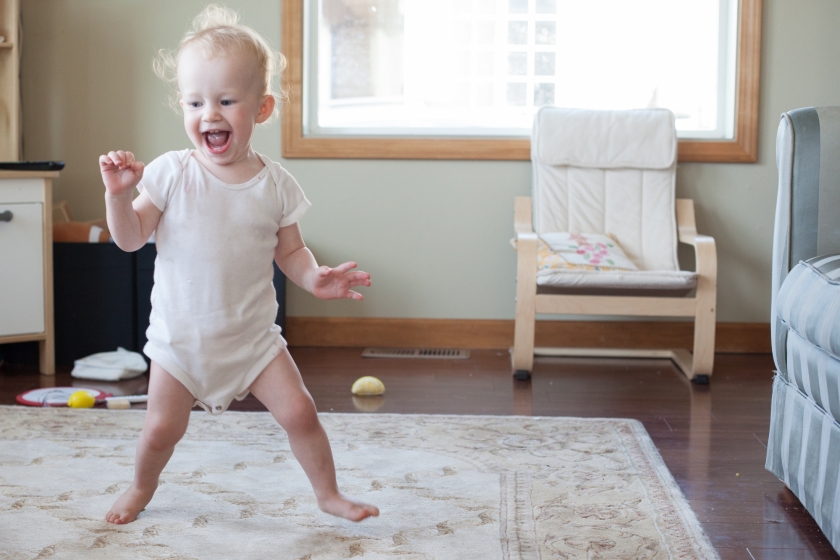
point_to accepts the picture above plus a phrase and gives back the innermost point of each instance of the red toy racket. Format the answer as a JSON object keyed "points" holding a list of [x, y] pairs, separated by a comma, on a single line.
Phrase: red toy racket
{"points": [[56, 396]]}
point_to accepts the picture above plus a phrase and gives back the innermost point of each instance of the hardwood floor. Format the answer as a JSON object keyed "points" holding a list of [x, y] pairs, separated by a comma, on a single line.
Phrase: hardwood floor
{"points": [[713, 439]]}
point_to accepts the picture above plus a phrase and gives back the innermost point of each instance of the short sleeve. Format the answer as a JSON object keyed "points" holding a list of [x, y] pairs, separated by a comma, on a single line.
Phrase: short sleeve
{"points": [[293, 203], [160, 178]]}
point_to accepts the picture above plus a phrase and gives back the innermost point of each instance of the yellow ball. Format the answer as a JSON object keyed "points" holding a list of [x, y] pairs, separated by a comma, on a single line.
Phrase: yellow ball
{"points": [[81, 399], [368, 385]]}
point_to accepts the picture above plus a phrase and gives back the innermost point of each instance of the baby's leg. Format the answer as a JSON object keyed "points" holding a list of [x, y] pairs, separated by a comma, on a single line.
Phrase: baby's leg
{"points": [[280, 388], [167, 416]]}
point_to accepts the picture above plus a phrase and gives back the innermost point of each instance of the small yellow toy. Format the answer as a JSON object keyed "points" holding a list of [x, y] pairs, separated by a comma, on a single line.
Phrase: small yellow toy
{"points": [[81, 399], [367, 386]]}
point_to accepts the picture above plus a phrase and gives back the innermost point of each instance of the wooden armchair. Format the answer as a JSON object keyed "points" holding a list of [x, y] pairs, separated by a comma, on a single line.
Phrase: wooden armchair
{"points": [[559, 165]]}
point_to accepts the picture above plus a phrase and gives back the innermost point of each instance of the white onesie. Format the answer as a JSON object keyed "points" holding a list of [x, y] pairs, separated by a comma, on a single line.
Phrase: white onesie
{"points": [[213, 301]]}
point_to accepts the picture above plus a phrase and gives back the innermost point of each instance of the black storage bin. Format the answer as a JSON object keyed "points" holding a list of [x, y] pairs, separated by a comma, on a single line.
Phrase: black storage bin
{"points": [[94, 291], [103, 298]]}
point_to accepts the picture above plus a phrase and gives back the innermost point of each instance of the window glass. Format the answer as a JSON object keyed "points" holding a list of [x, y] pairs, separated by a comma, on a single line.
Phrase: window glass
{"points": [[483, 67]]}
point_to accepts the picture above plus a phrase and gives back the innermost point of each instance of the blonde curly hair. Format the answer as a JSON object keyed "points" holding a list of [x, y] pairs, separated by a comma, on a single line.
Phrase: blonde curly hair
{"points": [[217, 30]]}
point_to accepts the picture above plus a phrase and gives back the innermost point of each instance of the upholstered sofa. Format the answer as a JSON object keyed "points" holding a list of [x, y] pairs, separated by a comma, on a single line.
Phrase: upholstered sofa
{"points": [[803, 449]]}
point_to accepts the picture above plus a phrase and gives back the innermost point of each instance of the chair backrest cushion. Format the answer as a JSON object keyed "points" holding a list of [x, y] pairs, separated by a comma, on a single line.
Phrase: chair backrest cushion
{"points": [[610, 172]]}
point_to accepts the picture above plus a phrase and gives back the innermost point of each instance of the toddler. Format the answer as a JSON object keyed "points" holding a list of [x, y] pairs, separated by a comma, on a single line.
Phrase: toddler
{"points": [[221, 213]]}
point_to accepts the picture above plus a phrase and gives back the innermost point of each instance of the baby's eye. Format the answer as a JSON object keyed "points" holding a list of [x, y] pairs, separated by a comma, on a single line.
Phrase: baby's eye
{"points": [[194, 104], [226, 102]]}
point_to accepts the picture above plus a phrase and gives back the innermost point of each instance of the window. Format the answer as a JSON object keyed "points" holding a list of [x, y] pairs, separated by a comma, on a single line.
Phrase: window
{"points": [[461, 79]]}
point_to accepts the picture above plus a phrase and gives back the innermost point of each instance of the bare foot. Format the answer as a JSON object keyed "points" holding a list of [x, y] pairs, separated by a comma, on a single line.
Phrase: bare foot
{"points": [[341, 506], [127, 506]]}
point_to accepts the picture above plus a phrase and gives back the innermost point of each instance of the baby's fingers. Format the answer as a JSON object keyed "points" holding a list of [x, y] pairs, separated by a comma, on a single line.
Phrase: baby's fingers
{"points": [[343, 268], [106, 163], [117, 158], [121, 159], [137, 167], [359, 279], [354, 295], [127, 159]]}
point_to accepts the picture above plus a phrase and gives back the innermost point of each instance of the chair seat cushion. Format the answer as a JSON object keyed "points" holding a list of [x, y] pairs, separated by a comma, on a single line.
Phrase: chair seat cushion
{"points": [[809, 302], [618, 279]]}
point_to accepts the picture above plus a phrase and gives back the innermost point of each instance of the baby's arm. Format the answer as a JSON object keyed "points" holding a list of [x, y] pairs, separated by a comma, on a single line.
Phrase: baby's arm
{"points": [[297, 262], [130, 223]]}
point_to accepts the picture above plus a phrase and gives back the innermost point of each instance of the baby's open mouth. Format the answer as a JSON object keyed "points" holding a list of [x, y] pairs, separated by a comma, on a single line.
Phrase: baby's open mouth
{"points": [[217, 141]]}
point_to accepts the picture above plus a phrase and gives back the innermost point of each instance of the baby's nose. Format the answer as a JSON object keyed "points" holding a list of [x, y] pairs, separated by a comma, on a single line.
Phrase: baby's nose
{"points": [[211, 113]]}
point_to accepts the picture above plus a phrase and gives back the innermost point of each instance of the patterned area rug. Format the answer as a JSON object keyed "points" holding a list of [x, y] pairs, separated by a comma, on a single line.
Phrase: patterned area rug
{"points": [[449, 487]]}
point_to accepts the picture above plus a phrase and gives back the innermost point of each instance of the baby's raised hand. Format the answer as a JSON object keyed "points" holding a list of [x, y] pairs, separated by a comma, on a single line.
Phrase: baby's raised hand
{"points": [[335, 283], [120, 172]]}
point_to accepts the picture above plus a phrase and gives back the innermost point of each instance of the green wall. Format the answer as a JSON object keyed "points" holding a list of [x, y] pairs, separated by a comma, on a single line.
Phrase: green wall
{"points": [[434, 235]]}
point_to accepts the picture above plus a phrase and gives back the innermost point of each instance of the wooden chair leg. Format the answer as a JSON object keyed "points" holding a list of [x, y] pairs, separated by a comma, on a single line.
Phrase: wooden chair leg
{"points": [[704, 345], [706, 312], [522, 357], [523, 339]]}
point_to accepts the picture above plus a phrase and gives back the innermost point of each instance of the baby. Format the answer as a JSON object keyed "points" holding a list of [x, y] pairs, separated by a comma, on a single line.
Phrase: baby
{"points": [[221, 213]]}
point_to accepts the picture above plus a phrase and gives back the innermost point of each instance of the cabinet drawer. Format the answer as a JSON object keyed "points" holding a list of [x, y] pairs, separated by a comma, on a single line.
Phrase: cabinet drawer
{"points": [[22, 270], [18, 191]]}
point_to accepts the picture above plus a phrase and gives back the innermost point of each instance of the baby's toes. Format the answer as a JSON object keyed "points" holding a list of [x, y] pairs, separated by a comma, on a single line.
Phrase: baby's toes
{"points": [[115, 517], [363, 511]]}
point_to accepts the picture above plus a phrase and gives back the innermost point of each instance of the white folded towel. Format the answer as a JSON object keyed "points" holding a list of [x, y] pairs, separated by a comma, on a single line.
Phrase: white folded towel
{"points": [[110, 366]]}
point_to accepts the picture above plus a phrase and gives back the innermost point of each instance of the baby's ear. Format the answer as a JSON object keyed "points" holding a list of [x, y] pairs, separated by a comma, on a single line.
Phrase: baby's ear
{"points": [[266, 108]]}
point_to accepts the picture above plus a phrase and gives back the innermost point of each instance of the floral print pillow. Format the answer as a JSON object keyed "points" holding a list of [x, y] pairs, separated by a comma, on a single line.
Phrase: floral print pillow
{"points": [[581, 251]]}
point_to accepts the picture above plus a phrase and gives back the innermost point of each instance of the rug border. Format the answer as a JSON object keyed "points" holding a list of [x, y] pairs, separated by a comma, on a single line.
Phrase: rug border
{"points": [[687, 515]]}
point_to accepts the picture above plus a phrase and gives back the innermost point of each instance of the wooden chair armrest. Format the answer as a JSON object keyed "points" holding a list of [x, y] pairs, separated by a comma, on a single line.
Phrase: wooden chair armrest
{"points": [[525, 241], [705, 250], [522, 215], [686, 225], [526, 262], [705, 256]]}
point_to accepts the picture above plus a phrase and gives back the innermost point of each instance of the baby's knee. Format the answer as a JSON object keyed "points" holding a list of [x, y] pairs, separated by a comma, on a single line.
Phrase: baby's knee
{"points": [[160, 436], [299, 414]]}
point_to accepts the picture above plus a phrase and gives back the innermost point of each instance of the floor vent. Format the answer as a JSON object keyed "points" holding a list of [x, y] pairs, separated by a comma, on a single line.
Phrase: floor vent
{"points": [[428, 353]]}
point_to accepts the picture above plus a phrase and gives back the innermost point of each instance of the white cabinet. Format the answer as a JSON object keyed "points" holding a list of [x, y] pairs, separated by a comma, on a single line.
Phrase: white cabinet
{"points": [[26, 278], [22, 269]]}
